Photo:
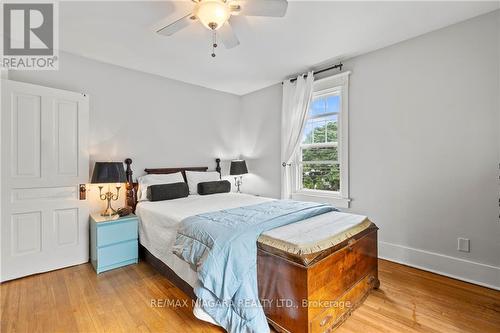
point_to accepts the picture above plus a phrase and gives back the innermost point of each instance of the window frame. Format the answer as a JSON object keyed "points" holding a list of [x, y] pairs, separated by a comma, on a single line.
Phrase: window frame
{"points": [[322, 87]]}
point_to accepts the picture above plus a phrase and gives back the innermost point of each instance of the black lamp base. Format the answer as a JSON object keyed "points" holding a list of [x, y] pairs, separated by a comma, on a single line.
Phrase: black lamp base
{"points": [[238, 181]]}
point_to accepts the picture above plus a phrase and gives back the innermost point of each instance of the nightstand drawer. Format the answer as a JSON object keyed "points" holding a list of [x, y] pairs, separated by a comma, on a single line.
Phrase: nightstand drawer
{"points": [[117, 253], [116, 232]]}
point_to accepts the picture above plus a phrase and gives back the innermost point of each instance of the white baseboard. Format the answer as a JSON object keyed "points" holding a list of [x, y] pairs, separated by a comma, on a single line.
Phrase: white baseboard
{"points": [[461, 269]]}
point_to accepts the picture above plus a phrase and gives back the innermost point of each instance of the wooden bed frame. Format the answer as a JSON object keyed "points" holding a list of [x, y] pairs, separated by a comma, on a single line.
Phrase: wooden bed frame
{"points": [[131, 186], [340, 277]]}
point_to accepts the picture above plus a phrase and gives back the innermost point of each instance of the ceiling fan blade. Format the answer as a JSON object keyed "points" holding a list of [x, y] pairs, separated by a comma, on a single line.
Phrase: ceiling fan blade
{"points": [[175, 26], [227, 36], [273, 8]]}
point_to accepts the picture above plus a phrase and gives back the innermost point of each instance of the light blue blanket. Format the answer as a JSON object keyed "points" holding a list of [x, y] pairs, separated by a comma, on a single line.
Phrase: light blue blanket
{"points": [[222, 246]]}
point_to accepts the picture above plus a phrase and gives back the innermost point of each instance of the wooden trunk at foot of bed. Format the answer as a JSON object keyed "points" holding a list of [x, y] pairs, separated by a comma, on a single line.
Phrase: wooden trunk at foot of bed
{"points": [[319, 296]]}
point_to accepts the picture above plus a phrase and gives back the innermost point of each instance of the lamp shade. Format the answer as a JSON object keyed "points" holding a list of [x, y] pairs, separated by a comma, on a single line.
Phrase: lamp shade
{"points": [[238, 167], [212, 13], [108, 172]]}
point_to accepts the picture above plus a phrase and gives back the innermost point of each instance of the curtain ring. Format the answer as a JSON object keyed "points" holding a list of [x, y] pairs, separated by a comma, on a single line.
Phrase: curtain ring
{"points": [[284, 164]]}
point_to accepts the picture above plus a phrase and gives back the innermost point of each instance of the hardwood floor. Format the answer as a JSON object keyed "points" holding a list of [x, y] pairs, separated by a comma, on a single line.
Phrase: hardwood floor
{"points": [[77, 300]]}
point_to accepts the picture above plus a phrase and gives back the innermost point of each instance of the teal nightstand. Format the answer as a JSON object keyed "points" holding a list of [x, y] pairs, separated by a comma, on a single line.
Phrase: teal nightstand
{"points": [[113, 242]]}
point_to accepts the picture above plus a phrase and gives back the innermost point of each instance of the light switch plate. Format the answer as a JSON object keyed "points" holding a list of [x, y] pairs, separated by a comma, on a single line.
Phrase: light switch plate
{"points": [[463, 244]]}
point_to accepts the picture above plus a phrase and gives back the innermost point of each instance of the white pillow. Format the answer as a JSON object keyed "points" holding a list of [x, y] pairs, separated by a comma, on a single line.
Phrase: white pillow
{"points": [[148, 180], [195, 177]]}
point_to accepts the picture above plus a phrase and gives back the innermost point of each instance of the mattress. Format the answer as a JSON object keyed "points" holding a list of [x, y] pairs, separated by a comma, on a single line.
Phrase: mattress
{"points": [[159, 222]]}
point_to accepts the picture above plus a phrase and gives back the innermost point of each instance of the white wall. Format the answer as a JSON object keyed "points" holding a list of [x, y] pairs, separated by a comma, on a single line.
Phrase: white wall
{"points": [[261, 135], [424, 147], [156, 121]]}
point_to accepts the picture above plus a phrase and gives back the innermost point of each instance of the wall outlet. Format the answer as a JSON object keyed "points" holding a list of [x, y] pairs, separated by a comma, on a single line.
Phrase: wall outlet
{"points": [[463, 244]]}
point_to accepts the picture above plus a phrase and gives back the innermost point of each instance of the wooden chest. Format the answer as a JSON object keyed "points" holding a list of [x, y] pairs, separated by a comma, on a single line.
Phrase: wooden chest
{"points": [[315, 293]]}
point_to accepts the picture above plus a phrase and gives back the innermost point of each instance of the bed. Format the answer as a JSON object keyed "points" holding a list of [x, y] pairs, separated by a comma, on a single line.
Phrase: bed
{"points": [[296, 263]]}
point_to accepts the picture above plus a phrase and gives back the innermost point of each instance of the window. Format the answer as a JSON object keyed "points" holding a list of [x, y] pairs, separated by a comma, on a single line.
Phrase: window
{"points": [[322, 157], [319, 166]]}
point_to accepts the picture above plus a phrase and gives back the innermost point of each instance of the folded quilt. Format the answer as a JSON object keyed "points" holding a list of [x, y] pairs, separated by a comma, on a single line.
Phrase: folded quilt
{"points": [[222, 247]]}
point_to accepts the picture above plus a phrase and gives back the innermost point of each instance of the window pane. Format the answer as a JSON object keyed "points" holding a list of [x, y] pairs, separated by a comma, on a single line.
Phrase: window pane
{"points": [[333, 103], [332, 129], [319, 130], [324, 177], [317, 107], [319, 154]]}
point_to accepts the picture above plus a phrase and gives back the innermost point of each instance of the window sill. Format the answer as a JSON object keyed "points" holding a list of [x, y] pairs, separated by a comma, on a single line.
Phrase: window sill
{"points": [[322, 196]]}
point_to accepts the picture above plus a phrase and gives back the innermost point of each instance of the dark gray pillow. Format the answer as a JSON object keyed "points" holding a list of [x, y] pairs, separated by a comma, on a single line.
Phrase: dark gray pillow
{"points": [[219, 186], [167, 191]]}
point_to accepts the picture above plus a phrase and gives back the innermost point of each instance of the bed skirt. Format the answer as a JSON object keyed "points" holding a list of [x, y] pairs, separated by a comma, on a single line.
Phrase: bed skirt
{"points": [[166, 271]]}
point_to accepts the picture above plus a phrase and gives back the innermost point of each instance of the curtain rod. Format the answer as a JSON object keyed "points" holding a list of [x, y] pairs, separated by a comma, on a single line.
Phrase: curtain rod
{"points": [[339, 66]]}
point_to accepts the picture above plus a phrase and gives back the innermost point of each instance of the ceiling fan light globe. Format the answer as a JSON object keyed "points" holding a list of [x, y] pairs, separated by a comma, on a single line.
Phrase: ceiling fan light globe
{"points": [[212, 13]]}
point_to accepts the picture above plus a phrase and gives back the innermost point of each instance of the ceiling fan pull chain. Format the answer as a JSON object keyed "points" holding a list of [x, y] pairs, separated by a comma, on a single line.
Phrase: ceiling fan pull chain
{"points": [[214, 43]]}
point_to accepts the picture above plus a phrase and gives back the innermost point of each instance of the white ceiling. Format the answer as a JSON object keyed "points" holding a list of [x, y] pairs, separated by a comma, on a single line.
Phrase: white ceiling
{"points": [[312, 33]]}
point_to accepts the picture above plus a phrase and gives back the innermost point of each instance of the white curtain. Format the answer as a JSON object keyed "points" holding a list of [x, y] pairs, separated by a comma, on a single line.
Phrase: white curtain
{"points": [[296, 99]]}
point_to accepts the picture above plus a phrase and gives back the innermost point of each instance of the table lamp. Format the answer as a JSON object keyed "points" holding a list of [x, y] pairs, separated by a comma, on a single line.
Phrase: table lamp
{"points": [[108, 173], [238, 168]]}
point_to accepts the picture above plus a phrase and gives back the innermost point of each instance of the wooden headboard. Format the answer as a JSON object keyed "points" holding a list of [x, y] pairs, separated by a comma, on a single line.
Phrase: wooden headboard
{"points": [[131, 186]]}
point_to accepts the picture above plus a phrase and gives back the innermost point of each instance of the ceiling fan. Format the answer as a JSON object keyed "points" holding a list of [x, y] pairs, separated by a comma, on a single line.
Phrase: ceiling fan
{"points": [[215, 15]]}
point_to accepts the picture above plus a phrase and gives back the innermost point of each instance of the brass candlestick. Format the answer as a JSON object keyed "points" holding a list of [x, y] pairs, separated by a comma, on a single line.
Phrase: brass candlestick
{"points": [[109, 211]]}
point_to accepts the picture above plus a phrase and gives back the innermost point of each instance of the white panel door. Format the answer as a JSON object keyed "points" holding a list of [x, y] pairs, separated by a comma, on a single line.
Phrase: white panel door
{"points": [[44, 225]]}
